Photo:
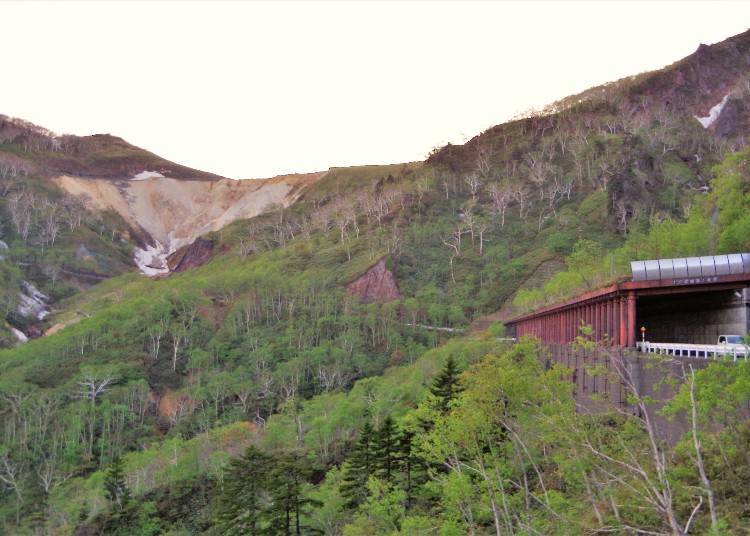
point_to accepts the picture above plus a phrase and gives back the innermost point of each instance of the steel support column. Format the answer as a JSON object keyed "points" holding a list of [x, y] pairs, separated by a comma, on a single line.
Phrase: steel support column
{"points": [[631, 319]]}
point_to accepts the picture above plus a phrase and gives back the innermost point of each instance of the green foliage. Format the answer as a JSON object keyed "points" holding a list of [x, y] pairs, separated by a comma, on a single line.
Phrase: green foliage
{"points": [[446, 386], [51, 240], [497, 330], [10, 278], [382, 513], [290, 500], [590, 265], [561, 242], [731, 193], [360, 466], [114, 484], [264, 345], [386, 449], [265, 494], [243, 500]]}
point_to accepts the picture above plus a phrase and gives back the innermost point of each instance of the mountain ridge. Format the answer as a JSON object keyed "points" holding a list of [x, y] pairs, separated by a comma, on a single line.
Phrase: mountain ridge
{"points": [[290, 329], [96, 155]]}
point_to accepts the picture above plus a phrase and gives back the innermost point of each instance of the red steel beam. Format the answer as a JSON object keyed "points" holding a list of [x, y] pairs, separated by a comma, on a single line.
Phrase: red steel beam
{"points": [[646, 288], [631, 319]]}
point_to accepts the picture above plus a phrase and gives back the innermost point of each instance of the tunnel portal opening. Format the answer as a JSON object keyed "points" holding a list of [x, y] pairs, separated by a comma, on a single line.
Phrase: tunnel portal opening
{"points": [[695, 317]]}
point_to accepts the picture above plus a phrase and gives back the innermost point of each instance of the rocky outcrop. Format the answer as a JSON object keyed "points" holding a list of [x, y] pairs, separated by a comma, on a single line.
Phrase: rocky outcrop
{"points": [[377, 284], [32, 303], [734, 119], [168, 214], [693, 85], [166, 205], [31, 309], [192, 256]]}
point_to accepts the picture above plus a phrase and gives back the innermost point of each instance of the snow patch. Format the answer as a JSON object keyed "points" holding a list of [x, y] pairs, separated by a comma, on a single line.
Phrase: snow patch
{"points": [[144, 175], [152, 260], [20, 335], [713, 113]]}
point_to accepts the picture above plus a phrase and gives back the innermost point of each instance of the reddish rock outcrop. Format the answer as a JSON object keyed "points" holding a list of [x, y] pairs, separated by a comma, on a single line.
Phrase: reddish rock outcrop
{"points": [[192, 256], [734, 118], [377, 284]]}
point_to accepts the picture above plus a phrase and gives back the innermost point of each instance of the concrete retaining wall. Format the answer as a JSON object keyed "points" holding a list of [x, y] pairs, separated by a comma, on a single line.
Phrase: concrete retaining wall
{"points": [[598, 388]]}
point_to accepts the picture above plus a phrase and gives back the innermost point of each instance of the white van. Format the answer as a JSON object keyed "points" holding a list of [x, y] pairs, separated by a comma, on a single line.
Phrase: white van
{"points": [[731, 339]]}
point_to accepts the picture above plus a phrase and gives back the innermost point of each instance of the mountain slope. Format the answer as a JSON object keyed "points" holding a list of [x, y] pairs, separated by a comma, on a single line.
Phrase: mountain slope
{"points": [[274, 326], [77, 210], [100, 155], [171, 213]]}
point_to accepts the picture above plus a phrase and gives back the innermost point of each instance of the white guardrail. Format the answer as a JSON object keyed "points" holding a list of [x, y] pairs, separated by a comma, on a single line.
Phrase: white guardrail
{"points": [[706, 351]]}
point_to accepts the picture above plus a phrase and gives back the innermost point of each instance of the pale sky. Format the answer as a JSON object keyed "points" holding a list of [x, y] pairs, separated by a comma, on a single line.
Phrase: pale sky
{"points": [[258, 89]]}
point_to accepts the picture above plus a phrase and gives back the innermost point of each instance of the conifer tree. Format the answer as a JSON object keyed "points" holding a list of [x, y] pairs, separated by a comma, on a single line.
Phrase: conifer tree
{"points": [[115, 487], [444, 389], [359, 467], [410, 465], [446, 385], [385, 450], [244, 502], [289, 501]]}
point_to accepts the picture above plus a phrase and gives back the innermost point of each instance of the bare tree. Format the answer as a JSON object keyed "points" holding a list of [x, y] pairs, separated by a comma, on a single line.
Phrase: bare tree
{"points": [[705, 481], [521, 196], [501, 196], [181, 329], [322, 218], [11, 474], [52, 270], [345, 217], [423, 186], [453, 241], [246, 247], [50, 470], [483, 156], [474, 184], [74, 210], [651, 483], [20, 204], [448, 182], [155, 332], [622, 213], [395, 241], [49, 222], [481, 228], [469, 218], [92, 385], [12, 166]]}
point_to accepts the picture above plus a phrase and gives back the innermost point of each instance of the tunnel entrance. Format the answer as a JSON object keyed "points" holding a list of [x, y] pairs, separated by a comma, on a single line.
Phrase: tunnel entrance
{"points": [[693, 318], [687, 301]]}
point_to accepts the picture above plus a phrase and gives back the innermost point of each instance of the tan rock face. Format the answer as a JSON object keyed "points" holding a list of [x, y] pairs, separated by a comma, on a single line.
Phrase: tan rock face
{"points": [[377, 284], [172, 213]]}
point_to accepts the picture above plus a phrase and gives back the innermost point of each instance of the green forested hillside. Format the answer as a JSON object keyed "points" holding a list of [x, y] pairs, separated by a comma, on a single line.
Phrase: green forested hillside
{"points": [[125, 419], [52, 241]]}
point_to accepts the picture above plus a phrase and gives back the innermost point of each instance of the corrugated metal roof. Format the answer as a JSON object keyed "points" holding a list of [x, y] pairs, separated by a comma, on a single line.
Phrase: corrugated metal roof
{"points": [[712, 265]]}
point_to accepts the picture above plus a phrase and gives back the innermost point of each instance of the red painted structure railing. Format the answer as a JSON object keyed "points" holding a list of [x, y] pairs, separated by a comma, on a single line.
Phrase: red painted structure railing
{"points": [[611, 311]]}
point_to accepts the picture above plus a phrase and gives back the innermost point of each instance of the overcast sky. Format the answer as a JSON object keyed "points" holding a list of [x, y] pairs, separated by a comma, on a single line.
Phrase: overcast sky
{"points": [[259, 89]]}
